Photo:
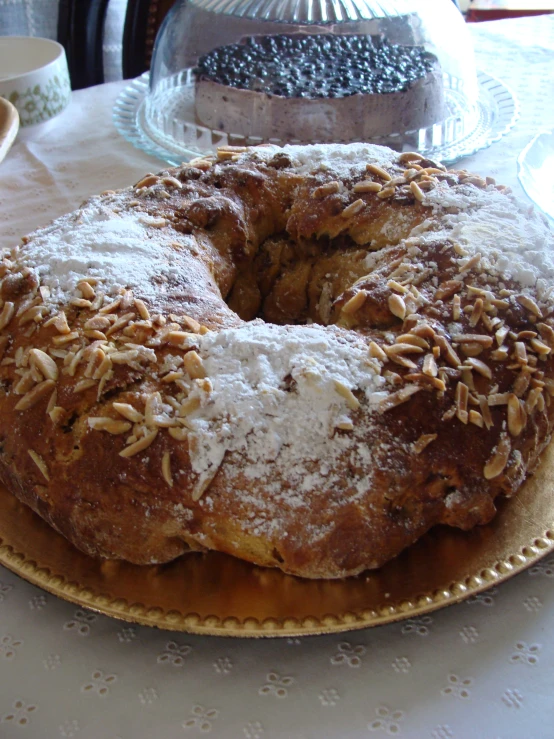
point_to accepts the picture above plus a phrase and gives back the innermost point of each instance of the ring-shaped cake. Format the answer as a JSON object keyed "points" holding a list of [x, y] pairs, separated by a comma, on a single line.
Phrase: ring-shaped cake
{"points": [[304, 357]]}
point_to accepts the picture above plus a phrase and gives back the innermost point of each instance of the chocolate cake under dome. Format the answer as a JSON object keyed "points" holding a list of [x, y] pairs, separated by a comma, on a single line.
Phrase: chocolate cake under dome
{"points": [[396, 72]]}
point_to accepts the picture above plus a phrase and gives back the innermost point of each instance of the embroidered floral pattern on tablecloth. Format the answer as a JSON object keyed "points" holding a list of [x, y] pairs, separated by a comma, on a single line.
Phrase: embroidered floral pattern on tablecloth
{"points": [[276, 685], [20, 714], [81, 622], [329, 697], [347, 654], [458, 687], [147, 696], [419, 626], [253, 730], [525, 653], [9, 647], [512, 698], [201, 719], [388, 720], [4, 590], [100, 684], [544, 567], [174, 654], [70, 729]]}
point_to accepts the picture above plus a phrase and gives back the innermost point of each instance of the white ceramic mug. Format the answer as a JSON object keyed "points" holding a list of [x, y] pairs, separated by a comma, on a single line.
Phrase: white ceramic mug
{"points": [[34, 77]]}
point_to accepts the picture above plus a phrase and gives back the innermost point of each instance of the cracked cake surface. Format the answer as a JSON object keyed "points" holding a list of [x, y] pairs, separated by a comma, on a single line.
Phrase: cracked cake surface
{"points": [[303, 356]]}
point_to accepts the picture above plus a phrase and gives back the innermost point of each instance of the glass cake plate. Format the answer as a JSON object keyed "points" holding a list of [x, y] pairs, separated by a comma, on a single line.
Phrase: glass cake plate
{"points": [[535, 167], [174, 135]]}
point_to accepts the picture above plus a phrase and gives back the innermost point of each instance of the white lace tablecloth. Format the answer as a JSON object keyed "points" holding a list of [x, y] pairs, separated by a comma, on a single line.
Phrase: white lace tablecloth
{"points": [[481, 669]]}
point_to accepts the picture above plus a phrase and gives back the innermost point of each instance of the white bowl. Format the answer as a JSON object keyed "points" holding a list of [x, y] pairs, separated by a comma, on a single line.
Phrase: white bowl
{"points": [[34, 77]]}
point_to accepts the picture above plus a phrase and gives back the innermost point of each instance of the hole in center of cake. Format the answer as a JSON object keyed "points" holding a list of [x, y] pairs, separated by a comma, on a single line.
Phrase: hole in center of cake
{"points": [[297, 283]]}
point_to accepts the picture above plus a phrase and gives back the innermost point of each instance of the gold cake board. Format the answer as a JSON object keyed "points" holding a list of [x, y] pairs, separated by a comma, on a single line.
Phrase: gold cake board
{"points": [[216, 594]]}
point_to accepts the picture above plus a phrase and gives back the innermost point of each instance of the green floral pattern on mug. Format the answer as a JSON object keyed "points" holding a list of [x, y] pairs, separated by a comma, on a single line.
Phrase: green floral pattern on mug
{"points": [[41, 102]]}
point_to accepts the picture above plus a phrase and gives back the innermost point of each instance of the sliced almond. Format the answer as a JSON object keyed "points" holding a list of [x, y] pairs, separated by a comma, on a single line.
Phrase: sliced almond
{"points": [[423, 329], [462, 394], [111, 425], [500, 355], [485, 411], [166, 469], [65, 338], [448, 351], [86, 289], [417, 192], [435, 382], [397, 306], [140, 445], [129, 412], [355, 303], [423, 442], [376, 352], [45, 364], [398, 397], [430, 366], [476, 418], [147, 181], [25, 384], [194, 365], [35, 395], [386, 193], [397, 287], [547, 334], [401, 348], [532, 399], [499, 458], [412, 339], [476, 312], [367, 186], [329, 188], [353, 208], [480, 367], [143, 311], [520, 352], [379, 171], [179, 434], [6, 314], [517, 416], [522, 382], [540, 347], [351, 400], [529, 304], [410, 156], [98, 322], [40, 463], [448, 288]]}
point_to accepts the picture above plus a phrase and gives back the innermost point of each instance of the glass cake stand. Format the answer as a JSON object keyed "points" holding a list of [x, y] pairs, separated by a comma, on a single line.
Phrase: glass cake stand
{"points": [[535, 171], [173, 135]]}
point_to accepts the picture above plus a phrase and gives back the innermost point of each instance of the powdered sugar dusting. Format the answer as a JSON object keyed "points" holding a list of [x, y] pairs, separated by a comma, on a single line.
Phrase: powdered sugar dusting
{"points": [[118, 249], [276, 398], [340, 159], [514, 244]]}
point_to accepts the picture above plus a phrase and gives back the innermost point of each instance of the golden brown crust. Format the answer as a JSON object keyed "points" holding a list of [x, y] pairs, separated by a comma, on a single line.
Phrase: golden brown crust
{"points": [[103, 396]]}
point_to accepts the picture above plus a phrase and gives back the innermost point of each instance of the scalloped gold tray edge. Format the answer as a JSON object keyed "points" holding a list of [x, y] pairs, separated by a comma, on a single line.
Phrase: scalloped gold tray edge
{"points": [[215, 594]]}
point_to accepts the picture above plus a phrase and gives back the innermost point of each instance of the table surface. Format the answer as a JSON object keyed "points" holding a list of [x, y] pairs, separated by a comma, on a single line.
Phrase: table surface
{"points": [[484, 668]]}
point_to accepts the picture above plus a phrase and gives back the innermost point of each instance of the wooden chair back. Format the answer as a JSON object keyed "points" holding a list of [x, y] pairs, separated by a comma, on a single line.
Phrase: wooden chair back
{"points": [[81, 31]]}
